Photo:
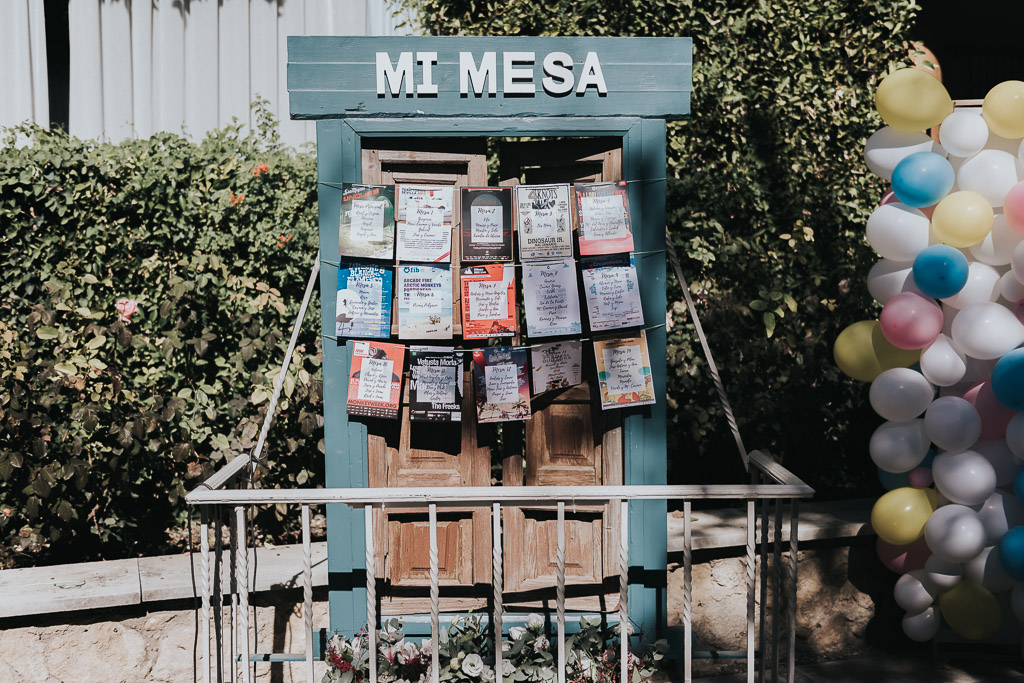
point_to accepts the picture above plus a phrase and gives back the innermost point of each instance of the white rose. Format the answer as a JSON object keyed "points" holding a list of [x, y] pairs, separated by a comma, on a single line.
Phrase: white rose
{"points": [[507, 667], [426, 645], [385, 677], [487, 674], [541, 644], [534, 620], [585, 662], [403, 680], [547, 673], [516, 632], [506, 646], [406, 651], [472, 665]]}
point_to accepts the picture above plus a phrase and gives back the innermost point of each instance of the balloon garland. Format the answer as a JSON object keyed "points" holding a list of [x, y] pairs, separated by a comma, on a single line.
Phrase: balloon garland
{"points": [[946, 372]]}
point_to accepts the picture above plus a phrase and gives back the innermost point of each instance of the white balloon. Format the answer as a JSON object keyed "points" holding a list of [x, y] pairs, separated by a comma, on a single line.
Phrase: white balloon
{"points": [[955, 533], [1017, 601], [942, 573], [963, 133], [1015, 436], [1020, 152], [900, 394], [914, 592], [991, 173], [982, 285], [888, 147], [1010, 287], [899, 446], [922, 626], [999, 513], [888, 278], [996, 248], [941, 363], [952, 423], [986, 330], [898, 232], [1017, 261], [964, 477], [987, 570], [1000, 457]]}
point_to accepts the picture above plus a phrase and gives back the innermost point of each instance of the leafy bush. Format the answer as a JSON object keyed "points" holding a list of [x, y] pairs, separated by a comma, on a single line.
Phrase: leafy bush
{"points": [[767, 205], [105, 422]]}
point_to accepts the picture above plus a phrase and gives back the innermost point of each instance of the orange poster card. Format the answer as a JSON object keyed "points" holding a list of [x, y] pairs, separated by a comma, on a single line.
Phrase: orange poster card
{"points": [[488, 301]]}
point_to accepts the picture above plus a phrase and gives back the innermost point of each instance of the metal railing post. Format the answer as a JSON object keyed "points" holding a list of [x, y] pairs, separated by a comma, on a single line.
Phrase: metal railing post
{"points": [[560, 591], [435, 606], [794, 559], [371, 593], [497, 582], [687, 593], [206, 578], [750, 591], [624, 590], [307, 592], [242, 557]]}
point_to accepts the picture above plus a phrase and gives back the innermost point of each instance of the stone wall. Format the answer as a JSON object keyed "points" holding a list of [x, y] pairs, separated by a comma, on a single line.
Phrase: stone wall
{"points": [[844, 597]]}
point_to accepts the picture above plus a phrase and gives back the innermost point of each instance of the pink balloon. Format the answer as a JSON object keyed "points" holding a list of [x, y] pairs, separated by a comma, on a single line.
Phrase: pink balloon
{"points": [[1013, 207], [921, 477], [994, 415], [911, 321], [903, 558], [1018, 310]]}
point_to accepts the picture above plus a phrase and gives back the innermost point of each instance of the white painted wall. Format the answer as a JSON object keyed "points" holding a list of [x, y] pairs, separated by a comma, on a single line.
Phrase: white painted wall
{"points": [[142, 66]]}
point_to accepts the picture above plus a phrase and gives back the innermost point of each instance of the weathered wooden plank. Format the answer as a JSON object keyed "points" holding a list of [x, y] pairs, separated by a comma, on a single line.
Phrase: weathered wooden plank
{"points": [[66, 587], [337, 76]]}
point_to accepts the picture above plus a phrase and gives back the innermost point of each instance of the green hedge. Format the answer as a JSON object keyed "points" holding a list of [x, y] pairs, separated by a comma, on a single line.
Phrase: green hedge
{"points": [[769, 203], [104, 424]]}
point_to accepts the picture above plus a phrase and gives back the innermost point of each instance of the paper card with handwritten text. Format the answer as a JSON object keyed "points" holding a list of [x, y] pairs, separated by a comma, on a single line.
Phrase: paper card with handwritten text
{"points": [[556, 366], [424, 218], [501, 387], [613, 292], [544, 218], [435, 384], [486, 224], [624, 371], [603, 216], [424, 302], [367, 226], [551, 298], [488, 301], [375, 380], [363, 307]]}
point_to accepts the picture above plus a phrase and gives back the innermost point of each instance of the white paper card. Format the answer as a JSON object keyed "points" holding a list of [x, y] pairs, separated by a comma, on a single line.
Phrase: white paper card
{"points": [[624, 366], [486, 226], [502, 383], [605, 217], [360, 299], [551, 298], [367, 220], [435, 384], [488, 300], [375, 379]]}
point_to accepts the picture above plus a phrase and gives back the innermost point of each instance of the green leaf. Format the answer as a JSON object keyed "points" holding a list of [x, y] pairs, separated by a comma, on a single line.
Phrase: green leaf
{"points": [[65, 368], [96, 342], [47, 333]]}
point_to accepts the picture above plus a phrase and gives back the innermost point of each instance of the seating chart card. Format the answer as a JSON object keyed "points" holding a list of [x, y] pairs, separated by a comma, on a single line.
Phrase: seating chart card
{"points": [[603, 215], [424, 218], [424, 302], [544, 220], [435, 384], [556, 366], [613, 292], [551, 298], [486, 224], [363, 306], [367, 226], [501, 385], [624, 371], [375, 380], [488, 301]]}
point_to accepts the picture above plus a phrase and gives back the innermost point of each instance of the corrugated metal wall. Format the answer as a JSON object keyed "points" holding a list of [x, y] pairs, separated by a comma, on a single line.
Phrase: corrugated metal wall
{"points": [[143, 66]]}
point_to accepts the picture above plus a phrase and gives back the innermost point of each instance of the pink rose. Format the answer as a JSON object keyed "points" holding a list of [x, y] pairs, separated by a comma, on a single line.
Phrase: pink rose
{"points": [[126, 309]]}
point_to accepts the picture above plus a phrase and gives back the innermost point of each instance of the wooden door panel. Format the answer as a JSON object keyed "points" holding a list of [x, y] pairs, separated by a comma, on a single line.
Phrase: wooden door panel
{"points": [[409, 539]]}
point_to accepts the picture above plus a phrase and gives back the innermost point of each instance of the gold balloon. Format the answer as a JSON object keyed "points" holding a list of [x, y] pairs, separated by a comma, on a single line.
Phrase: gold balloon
{"points": [[911, 99], [863, 353], [899, 516], [963, 219], [1003, 109], [971, 610]]}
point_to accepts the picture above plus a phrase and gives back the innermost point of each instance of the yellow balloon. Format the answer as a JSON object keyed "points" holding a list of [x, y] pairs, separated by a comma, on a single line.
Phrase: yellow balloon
{"points": [[1003, 109], [963, 219], [971, 610], [911, 100], [863, 353], [898, 517]]}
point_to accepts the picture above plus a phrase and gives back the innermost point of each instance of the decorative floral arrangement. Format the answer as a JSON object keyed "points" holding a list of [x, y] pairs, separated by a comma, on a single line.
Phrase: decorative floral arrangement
{"points": [[466, 655]]}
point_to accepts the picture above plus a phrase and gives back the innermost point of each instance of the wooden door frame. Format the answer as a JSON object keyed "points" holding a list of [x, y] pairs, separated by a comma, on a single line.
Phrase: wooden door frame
{"points": [[339, 145]]}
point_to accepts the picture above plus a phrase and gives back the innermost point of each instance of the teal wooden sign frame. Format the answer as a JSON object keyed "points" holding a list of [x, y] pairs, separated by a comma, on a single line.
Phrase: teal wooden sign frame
{"points": [[330, 79]]}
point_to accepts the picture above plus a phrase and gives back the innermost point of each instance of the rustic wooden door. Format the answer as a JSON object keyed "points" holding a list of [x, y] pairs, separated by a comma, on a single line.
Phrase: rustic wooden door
{"points": [[570, 441], [430, 454]]}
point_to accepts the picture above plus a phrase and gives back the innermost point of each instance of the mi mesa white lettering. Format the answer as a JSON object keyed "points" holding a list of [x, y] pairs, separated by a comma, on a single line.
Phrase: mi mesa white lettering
{"points": [[518, 74]]}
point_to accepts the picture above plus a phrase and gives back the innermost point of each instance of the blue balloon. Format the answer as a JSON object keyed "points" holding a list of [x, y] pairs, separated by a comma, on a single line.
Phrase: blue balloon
{"points": [[1018, 486], [1008, 380], [922, 179], [893, 480], [1011, 552], [940, 271]]}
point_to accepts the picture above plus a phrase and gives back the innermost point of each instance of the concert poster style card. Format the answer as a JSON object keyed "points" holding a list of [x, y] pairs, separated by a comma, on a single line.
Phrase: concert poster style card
{"points": [[556, 366], [501, 385], [375, 380], [435, 384], [424, 218], [624, 371], [486, 224], [367, 221], [488, 301], [603, 217], [613, 292], [544, 218], [551, 299], [363, 306], [424, 302]]}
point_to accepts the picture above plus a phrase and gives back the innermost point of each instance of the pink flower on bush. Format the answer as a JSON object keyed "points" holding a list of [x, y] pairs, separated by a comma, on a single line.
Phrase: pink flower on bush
{"points": [[126, 309]]}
